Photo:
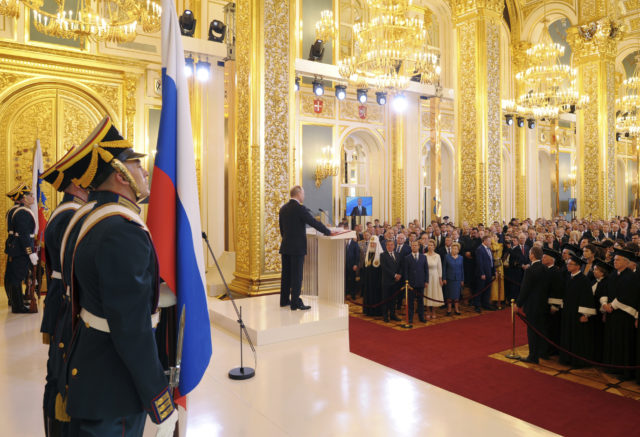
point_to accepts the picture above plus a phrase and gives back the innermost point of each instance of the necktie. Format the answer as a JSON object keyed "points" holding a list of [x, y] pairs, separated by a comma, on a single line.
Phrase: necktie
{"points": [[393, 256], [448, 250], [415, 255], [522, 247]]}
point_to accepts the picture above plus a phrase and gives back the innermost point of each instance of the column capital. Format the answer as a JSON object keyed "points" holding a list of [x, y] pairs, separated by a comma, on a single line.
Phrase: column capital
{"points": [[467, 9], [519, 53], [596, 39]]}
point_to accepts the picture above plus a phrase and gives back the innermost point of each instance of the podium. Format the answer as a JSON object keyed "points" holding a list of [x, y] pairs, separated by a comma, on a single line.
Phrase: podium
{"points": [[324, 266]]}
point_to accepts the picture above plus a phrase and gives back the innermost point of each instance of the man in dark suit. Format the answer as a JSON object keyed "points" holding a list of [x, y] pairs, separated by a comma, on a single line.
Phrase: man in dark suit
{"points": [[293, 220], [390, 264], [438, 237], [352, 258], [357, 211], [485, 274], [533, 301], [402, 250], [416, 271], [519, 261]]}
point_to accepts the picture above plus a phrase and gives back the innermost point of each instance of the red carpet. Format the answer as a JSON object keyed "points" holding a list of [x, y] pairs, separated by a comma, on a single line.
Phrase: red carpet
{"points": [[455, 357]]}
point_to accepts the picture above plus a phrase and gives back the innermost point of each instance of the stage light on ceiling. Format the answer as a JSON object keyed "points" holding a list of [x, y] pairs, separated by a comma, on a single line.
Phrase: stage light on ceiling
{"points": [[217, 30], [362, 95], [316, 52], [341, 92], [531, 123], [296, 85], [318, 88], [188, 67], [509, 119], [520, 122], [399, 103], [381, 98], [187, 23], [618, 136], [203, 71]]}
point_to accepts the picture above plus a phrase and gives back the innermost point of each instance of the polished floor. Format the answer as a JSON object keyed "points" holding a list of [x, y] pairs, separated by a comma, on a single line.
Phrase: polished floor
{"points": [[305, 387]]}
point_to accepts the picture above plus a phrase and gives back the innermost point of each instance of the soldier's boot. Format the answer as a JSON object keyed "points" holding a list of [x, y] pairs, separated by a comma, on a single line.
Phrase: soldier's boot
{"points": [[17, 302]]}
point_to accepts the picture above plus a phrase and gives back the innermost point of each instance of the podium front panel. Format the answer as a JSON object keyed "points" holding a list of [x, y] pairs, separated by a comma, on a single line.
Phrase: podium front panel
{"points": [[310, 269]]}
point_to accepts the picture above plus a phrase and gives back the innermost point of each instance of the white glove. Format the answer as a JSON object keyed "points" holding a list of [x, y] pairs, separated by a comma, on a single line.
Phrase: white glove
{"points": [[34, 258], [165, 429], [166, 297]]}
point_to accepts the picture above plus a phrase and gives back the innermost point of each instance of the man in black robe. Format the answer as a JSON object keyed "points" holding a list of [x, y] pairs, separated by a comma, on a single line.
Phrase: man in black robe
{"points": [[555, 297], [533, 301], [577, 334], [600, 290], [621, 314]]}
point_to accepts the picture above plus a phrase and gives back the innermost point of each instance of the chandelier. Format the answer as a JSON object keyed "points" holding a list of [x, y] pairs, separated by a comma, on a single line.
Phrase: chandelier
{"points": [[390, 48], [326, 166], [628, 103], [95, 20], [549, 85], [325, 28]]}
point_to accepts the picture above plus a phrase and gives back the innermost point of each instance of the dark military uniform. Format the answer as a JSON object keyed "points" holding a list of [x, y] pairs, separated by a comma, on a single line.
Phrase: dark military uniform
{"points": [[115, 280], [55, 305], [8, 217], [21, 228]]}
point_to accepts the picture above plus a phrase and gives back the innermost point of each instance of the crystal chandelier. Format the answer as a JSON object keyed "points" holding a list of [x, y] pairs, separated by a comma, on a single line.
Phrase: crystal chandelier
{"points": [[549, 85], [10, 8], [391, 48], [628, 104], [95, 20], [325, 28]]}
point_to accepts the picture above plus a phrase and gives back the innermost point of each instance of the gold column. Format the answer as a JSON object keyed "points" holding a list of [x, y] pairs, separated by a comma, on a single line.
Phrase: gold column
{"points": [[436, 159], [397, 167], [595, 53], [518, 51], [262, 140], [478, 109]]}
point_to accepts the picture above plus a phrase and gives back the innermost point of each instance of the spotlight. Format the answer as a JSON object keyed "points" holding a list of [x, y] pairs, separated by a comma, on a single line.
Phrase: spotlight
{"points": [[520, 122], [362, 96], [381, 98], [316, 52], [509, 119], [626, 135], [531, 123], [203, 69], [217, 31], [187, 23], [318, 88], [618, 136], [296, 86], [188, 67], [399, 103], [341, 92]]}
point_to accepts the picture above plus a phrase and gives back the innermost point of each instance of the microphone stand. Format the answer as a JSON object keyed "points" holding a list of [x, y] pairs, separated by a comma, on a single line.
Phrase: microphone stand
{"points": [[242, 372]]}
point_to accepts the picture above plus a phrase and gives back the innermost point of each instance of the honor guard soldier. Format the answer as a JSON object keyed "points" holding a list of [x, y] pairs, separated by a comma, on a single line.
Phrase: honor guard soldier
{"points": [[8, 215], [57, 304], [20, 247], [114, 374]]}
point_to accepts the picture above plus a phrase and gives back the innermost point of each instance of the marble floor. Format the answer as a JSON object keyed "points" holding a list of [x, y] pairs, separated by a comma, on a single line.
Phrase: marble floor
{"points": [[305, 387]]}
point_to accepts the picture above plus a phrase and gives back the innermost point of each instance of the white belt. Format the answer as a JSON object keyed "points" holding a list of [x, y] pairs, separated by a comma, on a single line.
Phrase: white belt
{"points": [[56, 275], [617, 305], [10, 232], [30, 235], [101, 324]]}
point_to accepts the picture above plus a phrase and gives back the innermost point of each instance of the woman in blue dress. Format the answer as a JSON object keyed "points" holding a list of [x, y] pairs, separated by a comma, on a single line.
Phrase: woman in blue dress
{"points": [[453, 275]]}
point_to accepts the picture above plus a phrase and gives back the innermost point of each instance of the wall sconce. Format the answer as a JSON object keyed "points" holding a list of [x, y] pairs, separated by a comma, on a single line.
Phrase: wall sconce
{"points": [[326, 166], [570, 182]]}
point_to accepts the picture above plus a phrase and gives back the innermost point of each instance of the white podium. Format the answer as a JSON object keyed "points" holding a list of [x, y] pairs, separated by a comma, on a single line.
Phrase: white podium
{"points": [[324, 266]]}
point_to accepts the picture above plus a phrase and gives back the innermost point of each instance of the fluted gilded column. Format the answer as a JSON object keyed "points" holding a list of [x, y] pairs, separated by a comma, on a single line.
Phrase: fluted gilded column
{"points": [[594, 46], [264, 58], [478, 109], [518, 51], [398, 191]]}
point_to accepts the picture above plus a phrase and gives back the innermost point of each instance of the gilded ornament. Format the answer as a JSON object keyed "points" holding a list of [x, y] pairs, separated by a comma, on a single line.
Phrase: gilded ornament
{"points": [[307, 103], [494, 151], [130, 90]]}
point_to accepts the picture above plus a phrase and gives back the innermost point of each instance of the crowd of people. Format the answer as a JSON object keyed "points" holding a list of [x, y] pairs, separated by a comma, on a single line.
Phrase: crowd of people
{"points": [[574, 281]]}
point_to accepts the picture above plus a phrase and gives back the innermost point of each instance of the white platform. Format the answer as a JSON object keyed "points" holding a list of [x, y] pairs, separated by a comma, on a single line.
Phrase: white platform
{"points": [[268, 323]]}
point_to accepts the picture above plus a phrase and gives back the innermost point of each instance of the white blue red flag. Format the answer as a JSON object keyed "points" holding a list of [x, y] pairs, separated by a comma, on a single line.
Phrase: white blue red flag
{"points": [[39, 206], [174, 210]]}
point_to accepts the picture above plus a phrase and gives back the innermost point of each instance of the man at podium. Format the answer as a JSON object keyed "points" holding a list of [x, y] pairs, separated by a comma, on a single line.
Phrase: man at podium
{"points": [[294, 217]]}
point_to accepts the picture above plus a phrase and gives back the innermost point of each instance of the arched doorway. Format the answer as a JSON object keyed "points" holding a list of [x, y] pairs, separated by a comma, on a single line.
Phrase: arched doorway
{"points": [[362, 172], [59, 114]]}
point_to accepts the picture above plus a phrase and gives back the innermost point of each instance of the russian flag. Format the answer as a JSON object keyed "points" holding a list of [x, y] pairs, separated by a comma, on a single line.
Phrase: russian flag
{"points": [[174, 211], [39, 206]]}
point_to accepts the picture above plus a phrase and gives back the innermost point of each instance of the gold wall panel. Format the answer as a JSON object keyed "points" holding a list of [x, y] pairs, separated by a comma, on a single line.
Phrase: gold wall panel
{"points": [[493, 156], [349, 111], [307, 103], [398, 191]]}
